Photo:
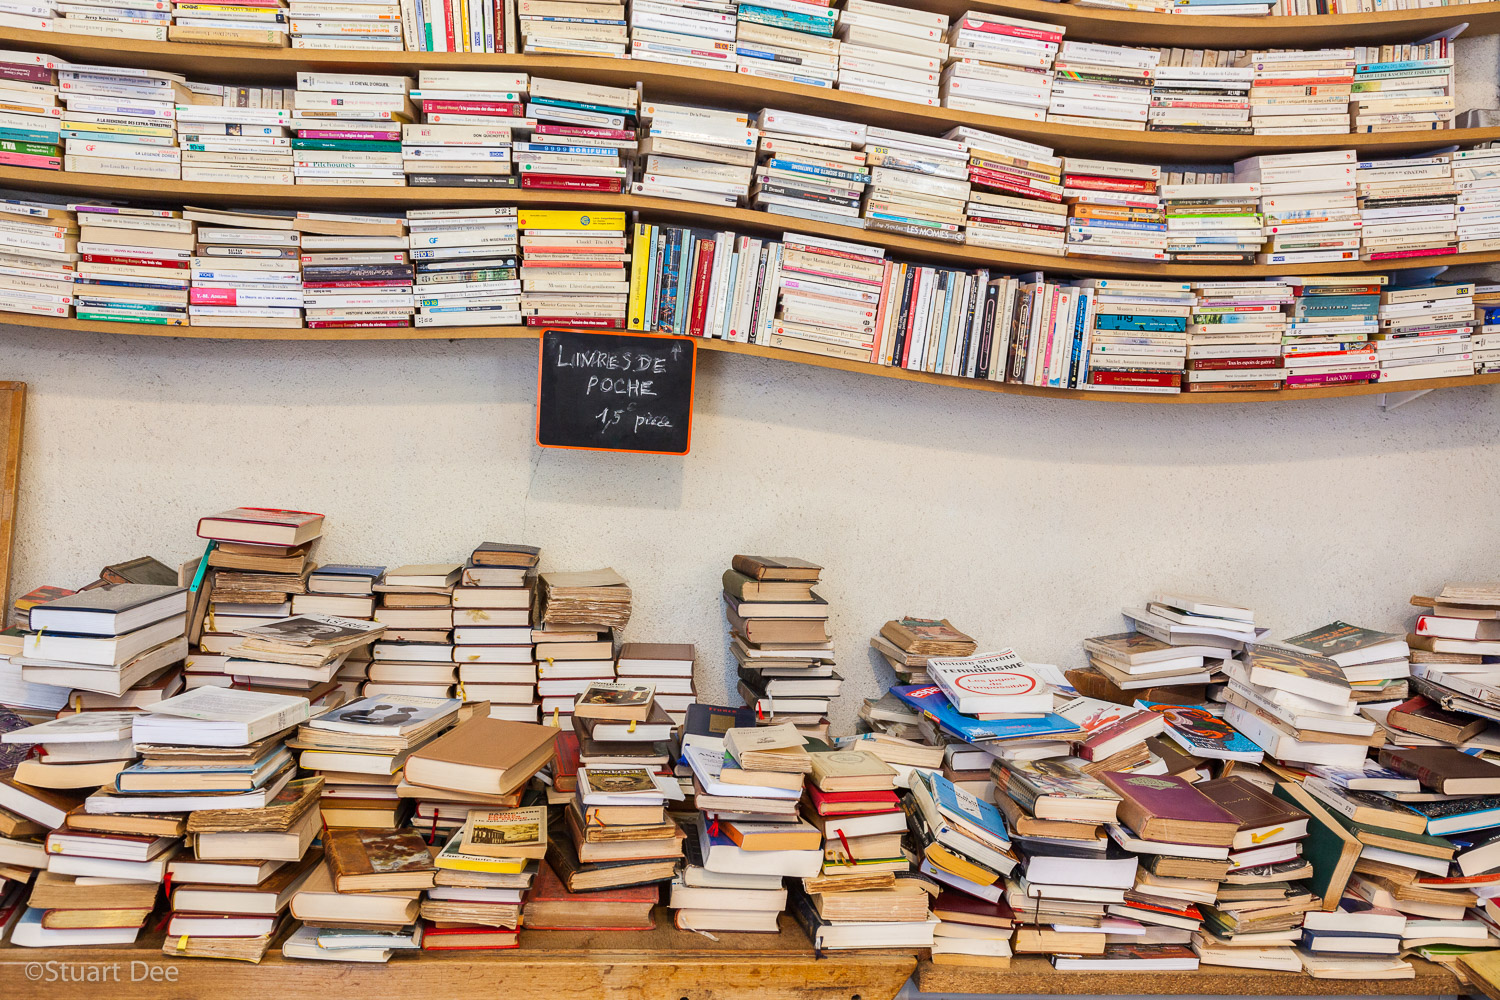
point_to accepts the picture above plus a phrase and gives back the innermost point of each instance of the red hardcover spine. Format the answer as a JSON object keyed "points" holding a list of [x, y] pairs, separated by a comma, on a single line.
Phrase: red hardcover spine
{"points": [[701, 276], [593, 322], [1225, 364], [564, 182], [508, 109], [1162, 379], [1087, 183]]}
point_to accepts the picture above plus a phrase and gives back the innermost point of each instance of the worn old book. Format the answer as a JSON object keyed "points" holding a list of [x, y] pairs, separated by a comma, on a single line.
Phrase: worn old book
{"points": [[1019, 821], [1093, 682], [778, 630], [551, 906], [239, 949], [1348, 645], [1264, 819], [776, 568], [851, 771], [53, 891], [486, 755], [628, 701], [1441, 769], [928, 637], [378, 860], [1056, 790], [289, 805], [316, 902], [163, 825], [599, 597], [747, 588], [1420, 716], [769, 748], [18, 827], [579, 876], [142, 569], [1329, 846], [506, 833], [1164, 807], [505, 554], [262, 526]]}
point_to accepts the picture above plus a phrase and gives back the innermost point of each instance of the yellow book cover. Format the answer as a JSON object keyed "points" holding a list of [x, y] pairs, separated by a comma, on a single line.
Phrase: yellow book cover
{"points": [[640, 257], [551, 218]]}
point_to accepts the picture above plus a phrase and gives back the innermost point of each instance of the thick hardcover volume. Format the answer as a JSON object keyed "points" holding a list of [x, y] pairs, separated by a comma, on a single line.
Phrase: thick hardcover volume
{"points": [[1328, 846], [776, 568], [1253, 806], [1159, 806], [1435, 766], [354, 855]]}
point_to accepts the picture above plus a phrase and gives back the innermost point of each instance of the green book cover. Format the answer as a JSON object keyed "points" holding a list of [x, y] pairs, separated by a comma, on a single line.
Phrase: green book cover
{"points": [[1329, 847]]}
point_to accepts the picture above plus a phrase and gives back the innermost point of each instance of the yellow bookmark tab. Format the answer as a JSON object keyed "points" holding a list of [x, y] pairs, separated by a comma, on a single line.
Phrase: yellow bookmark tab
{"points": [[632, 726], [182, 943]]}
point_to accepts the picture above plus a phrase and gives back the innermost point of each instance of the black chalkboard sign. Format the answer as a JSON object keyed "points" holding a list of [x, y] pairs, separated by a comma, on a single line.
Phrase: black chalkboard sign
{"points": [[615, 392]]}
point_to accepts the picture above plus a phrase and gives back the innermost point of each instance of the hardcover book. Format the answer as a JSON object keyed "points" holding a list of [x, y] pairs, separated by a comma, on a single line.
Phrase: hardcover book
{"points": [[378, 860], [1164, 807], [1442, 769], [510, 833], [776, 568], [262, 526], [1264, 819]]}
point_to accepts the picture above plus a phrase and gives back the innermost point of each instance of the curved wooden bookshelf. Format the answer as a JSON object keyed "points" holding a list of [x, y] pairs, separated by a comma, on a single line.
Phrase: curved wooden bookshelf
{"points": [[178, 193], [745, 93], [746, 350]]}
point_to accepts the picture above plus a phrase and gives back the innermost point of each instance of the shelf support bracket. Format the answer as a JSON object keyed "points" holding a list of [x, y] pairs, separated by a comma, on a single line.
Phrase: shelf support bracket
{"points": [[1393, 400]]}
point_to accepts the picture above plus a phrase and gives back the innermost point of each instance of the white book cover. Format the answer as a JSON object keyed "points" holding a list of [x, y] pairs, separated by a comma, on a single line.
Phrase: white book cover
{"points": [[998, 682]]}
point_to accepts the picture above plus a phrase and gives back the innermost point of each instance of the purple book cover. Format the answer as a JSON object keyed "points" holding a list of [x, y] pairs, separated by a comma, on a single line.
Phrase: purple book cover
{"points": [[1166, 796]]}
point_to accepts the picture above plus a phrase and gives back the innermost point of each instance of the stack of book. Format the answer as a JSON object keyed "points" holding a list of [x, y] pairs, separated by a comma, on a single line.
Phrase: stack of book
{"points": [[695, 154], [134, 266], [1000, 65], [906, 643], [112, 121], [1300, 92], [303, 653], [1015, 196], [668, 667], [1196, 625], [1409, 207], [1201, 91], [570, 659], [1235, 339], [785, 54], [355, 271], [105, 640], [700, 35], [775, 638], [1102, 86], [825, 288], [348, 113], [585, 111], [1212, 222], [482, 875], [323, 24], [897, 52], [246, 271], [1478, 199], [622, 726], [1297, 707], [1403, 87], [814, 18], [236, 135], [492, 642], [578, 277], [568, 27], [810, 167], [965, 844], [1138, 334], [1309, 205], [919, 185], [110, 19], [1333, 318], [475, 147], [364, 898], [245, 22], [1116, 209], [1485, 342], [416, 654], [467, 271], [32, 119], [44, 269], [1376, 664], [1130, 665], [1419, 327], [1453, 628], [347, 592], [79, 751]]}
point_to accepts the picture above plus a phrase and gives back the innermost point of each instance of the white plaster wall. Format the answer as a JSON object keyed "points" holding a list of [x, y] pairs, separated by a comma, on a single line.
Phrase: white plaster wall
{"points": [[1029, 522]]}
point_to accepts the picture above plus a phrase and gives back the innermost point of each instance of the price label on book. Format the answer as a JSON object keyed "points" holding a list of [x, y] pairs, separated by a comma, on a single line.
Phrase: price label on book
{"points": [[615, 392]]}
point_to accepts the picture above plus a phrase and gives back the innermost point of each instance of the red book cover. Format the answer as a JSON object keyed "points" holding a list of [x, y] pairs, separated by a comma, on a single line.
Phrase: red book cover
{"points": [[989, 178], [1331, 379], [435, 938], [980, 911], [1172, 379], [31, 160], [508, 109], [565, 770], [566, 182], [704, 270], [1429, 252], [448, 15], [393, 283], [99, 258], [331, 324], [585, 132], [1014, 30], [589, 322], [1088, 183], [1226, 364], [877, 802]]}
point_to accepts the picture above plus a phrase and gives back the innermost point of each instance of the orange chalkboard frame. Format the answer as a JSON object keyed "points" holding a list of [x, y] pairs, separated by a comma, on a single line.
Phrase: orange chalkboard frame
{"points": [[692, 387]]}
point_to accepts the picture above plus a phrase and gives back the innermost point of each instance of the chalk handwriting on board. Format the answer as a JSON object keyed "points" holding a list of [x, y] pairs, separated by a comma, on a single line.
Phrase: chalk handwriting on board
{"points": [[615, 391]]}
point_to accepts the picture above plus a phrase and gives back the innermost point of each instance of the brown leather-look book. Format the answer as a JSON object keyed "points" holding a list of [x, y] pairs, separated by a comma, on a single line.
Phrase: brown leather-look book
{"points": [[378, 860], [1164, 807], [1444, 769], [776, 568], [1264, 819]]}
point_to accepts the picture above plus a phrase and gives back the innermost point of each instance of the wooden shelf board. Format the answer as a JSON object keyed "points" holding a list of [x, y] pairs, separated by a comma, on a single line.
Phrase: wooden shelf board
{"points": [[663, 964], [745, 93], [748, 350], [1032, 974], [664, 209]]}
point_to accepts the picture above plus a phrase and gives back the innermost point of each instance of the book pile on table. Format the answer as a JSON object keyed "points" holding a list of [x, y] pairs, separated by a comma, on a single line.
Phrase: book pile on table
{"points": [[906, 643], [577, 615], [814, 18], [783, 637], [865, 896], [465, 135], [1297, 707], [622, 725], [1116, 210], [415, 655], [1000, 65], [1309, 205], [1426, 332], [347, 115], [700, 35], [919, 185], [1130, 665], [247, 271], [113, 122], [1211, 220], [1409, 207], [1403, 87], [104, 642], [588, 111], [245, 22], [695, 154], [1333, 320], [746, 836], [1200, 90], [1453, 631], [1102, 86], [1478, 204], [32, 119], [552, 906], [235, 135], [467, 263], [361, 901], [964, 844], [1015, 194], [668, 667], [1300, 91], [492, 638], [1197, 626], [1138, 334], [573, 271], [482, 876], [1376, 664], [811, 167], [898, 53], [1235, 338], [567, 27], [366, 25], [355, 271], [784, 54]]}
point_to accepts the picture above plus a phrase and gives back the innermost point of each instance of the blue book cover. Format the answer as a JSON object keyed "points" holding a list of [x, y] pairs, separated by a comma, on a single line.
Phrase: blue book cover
{"points": [[1391, 67], [1201, 732], [954, 801], [930, 701], [807, 168], [600, 109], [259, 774]]}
